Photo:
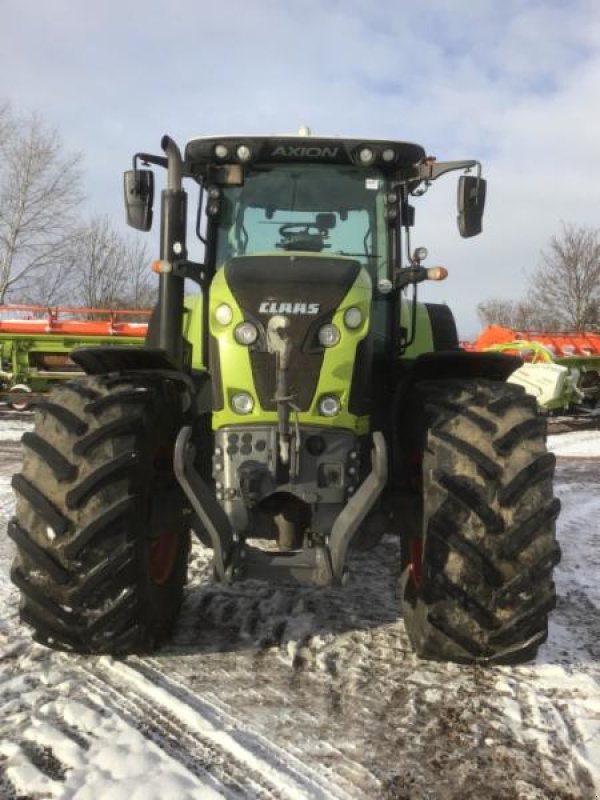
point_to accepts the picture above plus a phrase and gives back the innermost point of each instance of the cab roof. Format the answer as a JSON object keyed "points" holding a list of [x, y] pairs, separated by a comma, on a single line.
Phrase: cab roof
{"points": [[389, 155]]}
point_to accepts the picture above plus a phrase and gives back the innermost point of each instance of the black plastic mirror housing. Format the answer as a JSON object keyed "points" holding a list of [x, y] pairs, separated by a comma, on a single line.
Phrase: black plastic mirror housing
{"points": [[471, 203], [138, 187]]}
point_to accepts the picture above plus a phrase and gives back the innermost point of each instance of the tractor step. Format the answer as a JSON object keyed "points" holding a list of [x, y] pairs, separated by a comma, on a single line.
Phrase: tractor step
{"points": [[312, 565]]}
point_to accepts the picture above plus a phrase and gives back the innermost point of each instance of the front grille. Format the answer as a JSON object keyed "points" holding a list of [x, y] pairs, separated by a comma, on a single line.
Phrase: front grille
{"points": [[293, 280], [303, 377]]}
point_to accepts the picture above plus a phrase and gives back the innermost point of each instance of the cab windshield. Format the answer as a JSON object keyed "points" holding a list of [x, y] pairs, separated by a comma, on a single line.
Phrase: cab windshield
{"points": [[328, 209]]}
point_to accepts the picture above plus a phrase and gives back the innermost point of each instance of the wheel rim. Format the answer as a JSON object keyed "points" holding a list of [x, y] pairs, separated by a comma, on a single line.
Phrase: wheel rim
{"points": [[415, 567], [19, 405], [415, 544], [163, 554], [165, 542]]}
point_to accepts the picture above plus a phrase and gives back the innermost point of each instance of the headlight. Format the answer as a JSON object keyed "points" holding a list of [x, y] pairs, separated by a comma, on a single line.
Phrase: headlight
{"points": [[245, 333], [223, 314], [329, 405], [329, 335], [221, 151], [388, 154], [353, 318], [242, 403]]}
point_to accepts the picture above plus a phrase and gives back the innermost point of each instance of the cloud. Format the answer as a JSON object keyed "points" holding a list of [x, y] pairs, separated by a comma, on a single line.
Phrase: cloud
{"points": [[513, 84]]}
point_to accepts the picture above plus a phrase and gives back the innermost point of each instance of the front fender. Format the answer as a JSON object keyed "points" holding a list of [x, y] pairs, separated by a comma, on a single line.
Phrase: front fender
{"points": [[100, 360], [463, 364]]}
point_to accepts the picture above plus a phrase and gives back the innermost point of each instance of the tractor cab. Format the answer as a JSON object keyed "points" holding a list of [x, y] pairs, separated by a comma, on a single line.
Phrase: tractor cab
{"points": [[313, 210], [334, 198], [310, 208], [301, 194]]}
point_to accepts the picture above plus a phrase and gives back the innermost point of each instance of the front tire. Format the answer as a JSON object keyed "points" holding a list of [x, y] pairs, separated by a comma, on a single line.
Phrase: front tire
{"points": [[477, 579], [100, 526]]}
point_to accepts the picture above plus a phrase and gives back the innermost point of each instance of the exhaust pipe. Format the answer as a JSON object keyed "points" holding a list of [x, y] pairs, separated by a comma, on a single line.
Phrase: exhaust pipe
{"points": [[172, 249]]}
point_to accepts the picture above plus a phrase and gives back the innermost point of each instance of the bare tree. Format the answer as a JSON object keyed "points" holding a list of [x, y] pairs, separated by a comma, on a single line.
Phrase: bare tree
{"points": [[97, 272], [6, 121], [567, 283], [563, 292], [104, 269], [142, 283], [40, 189], [497, 312], [52, 286], [520, 315]]}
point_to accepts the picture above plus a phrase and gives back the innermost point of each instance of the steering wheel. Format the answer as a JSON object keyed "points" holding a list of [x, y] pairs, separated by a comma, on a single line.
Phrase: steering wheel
{"points": [[302, 236]]}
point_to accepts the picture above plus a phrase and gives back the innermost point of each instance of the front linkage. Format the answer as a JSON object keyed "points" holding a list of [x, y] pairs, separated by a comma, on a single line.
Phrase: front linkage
{"points": [[235, 559]]}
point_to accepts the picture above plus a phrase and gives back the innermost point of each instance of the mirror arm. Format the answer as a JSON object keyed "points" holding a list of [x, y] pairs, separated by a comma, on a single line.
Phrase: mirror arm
{"points": [[148, 158], [192, 271], [407, 275], [431, 169]]}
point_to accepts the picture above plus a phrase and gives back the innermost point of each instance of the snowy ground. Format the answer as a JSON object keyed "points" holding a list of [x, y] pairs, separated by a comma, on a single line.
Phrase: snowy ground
{"points": [[307, 693]]}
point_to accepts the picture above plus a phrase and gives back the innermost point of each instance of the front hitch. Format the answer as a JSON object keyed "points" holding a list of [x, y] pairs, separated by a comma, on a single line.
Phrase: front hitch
{"points": [[280, 344], [234, 559]]}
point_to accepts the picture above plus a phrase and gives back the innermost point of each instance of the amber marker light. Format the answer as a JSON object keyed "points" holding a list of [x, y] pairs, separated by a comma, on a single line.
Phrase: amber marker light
{"points": [[437, 274]]}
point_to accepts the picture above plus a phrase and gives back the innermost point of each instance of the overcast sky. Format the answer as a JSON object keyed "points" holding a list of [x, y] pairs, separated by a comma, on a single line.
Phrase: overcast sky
{"points": [[514, 83]]}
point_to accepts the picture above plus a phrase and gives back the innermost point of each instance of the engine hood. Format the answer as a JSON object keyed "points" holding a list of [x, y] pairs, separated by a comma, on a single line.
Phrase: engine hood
{"points": [[305, 288]]}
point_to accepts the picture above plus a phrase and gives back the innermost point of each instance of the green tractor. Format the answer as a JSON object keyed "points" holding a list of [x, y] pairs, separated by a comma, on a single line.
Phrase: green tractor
{"points": [[298, 406]]}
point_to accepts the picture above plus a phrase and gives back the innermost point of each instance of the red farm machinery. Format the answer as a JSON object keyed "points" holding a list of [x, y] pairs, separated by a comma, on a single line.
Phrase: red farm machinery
{"points": [[36, 342], [560, 369]]}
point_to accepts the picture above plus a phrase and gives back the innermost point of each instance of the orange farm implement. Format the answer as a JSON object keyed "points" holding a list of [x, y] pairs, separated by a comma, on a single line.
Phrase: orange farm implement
{"points": [[561, 369], [36, 342]]}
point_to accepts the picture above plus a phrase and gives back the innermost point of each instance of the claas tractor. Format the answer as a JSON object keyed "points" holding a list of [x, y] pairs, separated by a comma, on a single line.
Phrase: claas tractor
{"points": [[295, 407]]}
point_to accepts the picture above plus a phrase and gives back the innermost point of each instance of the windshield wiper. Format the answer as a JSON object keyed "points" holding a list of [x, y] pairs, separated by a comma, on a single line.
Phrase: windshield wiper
{"points": [[362, 255]]}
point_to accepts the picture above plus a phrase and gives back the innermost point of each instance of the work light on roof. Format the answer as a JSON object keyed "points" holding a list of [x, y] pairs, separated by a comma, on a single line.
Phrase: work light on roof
{"points": [[244, 153], [366, 155], [388, 155], [221, 151]]}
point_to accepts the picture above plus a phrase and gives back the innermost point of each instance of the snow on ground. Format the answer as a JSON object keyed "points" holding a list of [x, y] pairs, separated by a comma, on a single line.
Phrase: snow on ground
{"points": [[11, 430], [578, 444], [281, 692]]}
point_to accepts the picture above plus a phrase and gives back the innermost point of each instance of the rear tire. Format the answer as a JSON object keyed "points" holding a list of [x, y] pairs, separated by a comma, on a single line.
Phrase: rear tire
{"points": [[101, 526], [477, 572]]}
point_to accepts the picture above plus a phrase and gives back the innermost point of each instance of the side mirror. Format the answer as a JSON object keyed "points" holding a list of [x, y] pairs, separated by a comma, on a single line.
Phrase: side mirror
{"points": [[138, 187], [471, 202]]}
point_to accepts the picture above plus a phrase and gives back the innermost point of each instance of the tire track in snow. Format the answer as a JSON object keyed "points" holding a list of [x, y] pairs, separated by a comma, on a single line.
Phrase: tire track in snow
{"points": [[339, 782], [581, 617], [543, 720], [235, 755], [200, 757], [414, 725]]}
